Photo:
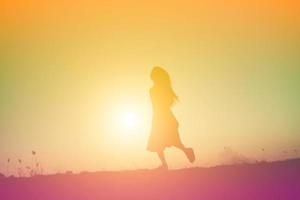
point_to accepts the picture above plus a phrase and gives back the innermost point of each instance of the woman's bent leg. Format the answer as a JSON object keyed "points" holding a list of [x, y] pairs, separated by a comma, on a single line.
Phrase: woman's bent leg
{"points": [[189, 152]]}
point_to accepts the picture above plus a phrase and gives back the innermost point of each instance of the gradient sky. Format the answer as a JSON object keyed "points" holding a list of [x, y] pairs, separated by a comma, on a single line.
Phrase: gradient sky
{"points": [[70, 68]]}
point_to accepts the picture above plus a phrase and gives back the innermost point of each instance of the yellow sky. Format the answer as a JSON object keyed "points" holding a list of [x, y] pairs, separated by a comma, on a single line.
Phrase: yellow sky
{"points": [[69, 69]]}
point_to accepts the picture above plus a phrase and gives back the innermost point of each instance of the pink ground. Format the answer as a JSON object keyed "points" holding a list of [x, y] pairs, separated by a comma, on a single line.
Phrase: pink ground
{"points": [[264, 181]]}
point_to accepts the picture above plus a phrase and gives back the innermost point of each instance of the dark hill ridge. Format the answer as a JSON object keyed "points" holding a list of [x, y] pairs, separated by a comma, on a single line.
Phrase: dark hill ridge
{"points": [[262, 181]]}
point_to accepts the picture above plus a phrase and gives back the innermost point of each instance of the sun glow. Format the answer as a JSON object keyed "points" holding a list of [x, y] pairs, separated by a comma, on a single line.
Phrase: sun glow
{"points": [[129, 119]]}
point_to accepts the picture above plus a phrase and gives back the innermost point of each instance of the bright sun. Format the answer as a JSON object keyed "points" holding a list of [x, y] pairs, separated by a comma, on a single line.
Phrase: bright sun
{"points": [[129, 119]]}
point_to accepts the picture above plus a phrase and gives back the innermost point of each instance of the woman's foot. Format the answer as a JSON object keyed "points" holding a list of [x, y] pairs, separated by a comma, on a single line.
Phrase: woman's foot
{"points": [[162, 167], [189, 152]]}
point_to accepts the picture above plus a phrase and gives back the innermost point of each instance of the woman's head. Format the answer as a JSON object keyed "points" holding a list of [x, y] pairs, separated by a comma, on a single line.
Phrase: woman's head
{"points": [[161, 79], [160, 76]]}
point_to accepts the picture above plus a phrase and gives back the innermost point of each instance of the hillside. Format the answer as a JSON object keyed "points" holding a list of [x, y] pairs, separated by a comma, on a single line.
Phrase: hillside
{"points": [[263, 181]]}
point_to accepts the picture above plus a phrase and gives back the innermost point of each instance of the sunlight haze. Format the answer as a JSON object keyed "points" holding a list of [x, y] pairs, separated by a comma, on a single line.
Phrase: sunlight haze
{"points": [[75, 80]]}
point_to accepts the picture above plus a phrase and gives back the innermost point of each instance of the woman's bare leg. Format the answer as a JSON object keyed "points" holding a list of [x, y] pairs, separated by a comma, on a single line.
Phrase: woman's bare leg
{"points": [[162, 158], [189, 152]]}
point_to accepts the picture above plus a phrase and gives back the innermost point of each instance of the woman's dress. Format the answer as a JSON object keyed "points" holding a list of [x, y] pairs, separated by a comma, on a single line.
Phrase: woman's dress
{"points": [[164, 130]]}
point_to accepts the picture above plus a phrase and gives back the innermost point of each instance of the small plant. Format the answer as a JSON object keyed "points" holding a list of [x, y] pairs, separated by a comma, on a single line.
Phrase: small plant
{"points": [[20, 169], [296, 152], [29, 170], [7, 166], [263, 156], [36, 166]]}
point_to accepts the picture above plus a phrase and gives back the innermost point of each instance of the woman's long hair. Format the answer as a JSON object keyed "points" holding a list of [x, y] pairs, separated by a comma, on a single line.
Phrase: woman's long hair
{"points": [[162, 80]]}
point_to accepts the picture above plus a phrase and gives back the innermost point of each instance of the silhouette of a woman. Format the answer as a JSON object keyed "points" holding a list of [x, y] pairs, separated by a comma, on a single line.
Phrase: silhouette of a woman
{"points": [[164, 131]]}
